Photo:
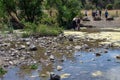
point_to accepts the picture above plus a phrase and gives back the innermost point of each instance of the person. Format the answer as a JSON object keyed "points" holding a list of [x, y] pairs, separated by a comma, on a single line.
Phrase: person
{"points": [[93, 14], [106, 14], [100, 13], [85, 12], [117, 13], [78, 24], [74, 24]]}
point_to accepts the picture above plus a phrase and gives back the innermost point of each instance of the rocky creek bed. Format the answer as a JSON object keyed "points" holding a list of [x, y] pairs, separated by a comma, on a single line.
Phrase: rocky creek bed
{"points": [[70, 55]]}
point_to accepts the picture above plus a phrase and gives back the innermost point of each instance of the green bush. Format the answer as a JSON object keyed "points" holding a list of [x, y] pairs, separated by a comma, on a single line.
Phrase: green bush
{"points": [[41, 30], [2, 71], [89, 6], [109, 6]]}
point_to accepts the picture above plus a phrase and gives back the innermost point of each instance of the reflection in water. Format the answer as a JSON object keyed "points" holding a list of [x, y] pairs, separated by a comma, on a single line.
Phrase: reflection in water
{"points": [[113, 73]]}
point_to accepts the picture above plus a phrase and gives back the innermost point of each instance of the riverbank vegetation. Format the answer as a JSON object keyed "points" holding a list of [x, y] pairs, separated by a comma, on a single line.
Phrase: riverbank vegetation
{"points": [[46, 17]]}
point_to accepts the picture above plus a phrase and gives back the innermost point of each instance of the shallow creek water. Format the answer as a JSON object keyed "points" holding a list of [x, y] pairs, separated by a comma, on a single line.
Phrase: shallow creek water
{"points": [[81, 65]]}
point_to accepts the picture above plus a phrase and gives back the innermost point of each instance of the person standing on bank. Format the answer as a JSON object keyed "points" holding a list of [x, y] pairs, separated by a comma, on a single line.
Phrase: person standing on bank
{"points": [[74, 23], [106, 14], [78, 24], [100, 13], [86, 13]]}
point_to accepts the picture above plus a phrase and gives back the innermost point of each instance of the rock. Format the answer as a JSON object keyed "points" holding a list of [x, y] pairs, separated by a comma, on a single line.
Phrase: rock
{"points": [[59, 68], [43, 75], [118, 57], [105, 51], [22, 47], [77, 47], [28, 43], [97, 73], [97, 54], [32, 47], [52, 57], [110, 19], [54, 77], [86, 19], [66, 75]]}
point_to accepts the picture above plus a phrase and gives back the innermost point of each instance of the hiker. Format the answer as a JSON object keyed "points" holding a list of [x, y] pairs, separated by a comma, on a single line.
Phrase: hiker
{"points": [[106, 14], [78, 24], [85, 12], [93, 14], [100, 13], [74, 24]]}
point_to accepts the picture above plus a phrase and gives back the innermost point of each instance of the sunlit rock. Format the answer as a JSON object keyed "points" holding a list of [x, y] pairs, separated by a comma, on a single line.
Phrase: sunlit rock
{"points": [[66, 75], [59, 68], [97, 73]]}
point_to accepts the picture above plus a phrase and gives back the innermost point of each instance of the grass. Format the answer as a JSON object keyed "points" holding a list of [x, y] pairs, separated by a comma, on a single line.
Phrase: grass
{"points": [[41, 30]]}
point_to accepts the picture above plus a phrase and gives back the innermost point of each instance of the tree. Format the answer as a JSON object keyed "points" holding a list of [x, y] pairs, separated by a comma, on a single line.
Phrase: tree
{"points": [[117, 4], [67, 10], [31, 10]]}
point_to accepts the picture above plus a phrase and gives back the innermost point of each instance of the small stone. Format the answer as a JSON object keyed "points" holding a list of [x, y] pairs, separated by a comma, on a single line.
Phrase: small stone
{"points": [[59, 68], [97, 73], [52, 57], [118, 57], [108, 59], [105, 51], [33, 47], [43, 75], [22, 46], [97, 54], [81, 62], [28, 43], [66, 75], [77, 47]]}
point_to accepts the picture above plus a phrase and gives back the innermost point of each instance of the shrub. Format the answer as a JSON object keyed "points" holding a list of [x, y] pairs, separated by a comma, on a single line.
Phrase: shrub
{"points": [[109, 6], [2, 71], [41, 30]]}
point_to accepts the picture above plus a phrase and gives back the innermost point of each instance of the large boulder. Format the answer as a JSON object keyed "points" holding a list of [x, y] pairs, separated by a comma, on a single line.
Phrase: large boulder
{"points": [[86, 19]]}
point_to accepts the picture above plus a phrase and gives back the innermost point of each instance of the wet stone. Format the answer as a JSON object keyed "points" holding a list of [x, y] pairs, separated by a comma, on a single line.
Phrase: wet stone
{"points": [[118, 57], [97, 54], [59, 68]]}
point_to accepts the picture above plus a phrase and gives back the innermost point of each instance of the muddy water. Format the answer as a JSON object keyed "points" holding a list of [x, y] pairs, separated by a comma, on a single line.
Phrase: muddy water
{"points": [[81, 65]]}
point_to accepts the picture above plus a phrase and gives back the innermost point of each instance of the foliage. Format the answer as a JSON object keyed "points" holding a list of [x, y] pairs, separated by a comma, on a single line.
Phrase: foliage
{"points": [[117, 4], [89, 6], [34, 66], [67, 10], [21, 9], [2, 71], [41, 30], [27, 5], [109, 6]]}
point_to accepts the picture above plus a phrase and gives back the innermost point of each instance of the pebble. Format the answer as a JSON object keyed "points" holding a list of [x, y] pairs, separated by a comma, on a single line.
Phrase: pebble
{"points": [[59, 68]]}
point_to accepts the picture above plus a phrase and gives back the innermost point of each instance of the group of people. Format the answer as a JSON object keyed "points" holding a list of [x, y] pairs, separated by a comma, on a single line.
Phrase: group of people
{"points": [[76, 23], [98, 13]]}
